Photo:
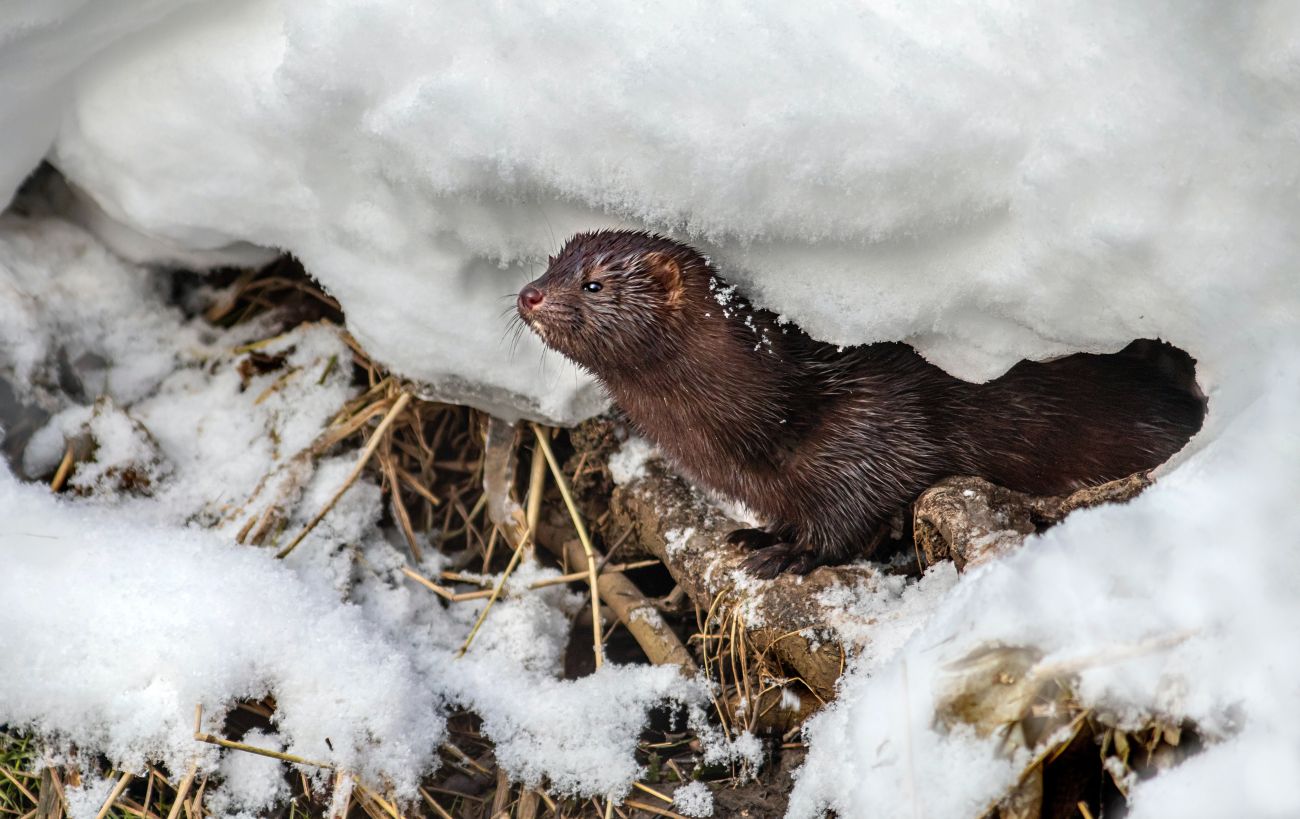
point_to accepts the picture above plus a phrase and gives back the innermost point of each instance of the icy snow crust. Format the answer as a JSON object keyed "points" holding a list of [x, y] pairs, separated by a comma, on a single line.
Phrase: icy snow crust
{"points": [[987, 181]]}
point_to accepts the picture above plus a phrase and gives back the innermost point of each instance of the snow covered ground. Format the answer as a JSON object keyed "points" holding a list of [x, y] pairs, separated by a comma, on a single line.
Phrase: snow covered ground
{"points": [[987, 181], [159, 610]]}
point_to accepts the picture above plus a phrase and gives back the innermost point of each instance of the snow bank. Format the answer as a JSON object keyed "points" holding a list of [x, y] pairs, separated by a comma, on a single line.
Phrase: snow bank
{"points": [[920, 171], [42, 44]]}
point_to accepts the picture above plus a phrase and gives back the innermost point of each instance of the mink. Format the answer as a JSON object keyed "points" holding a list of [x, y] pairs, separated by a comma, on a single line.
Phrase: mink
{"points": [[827, 443]]}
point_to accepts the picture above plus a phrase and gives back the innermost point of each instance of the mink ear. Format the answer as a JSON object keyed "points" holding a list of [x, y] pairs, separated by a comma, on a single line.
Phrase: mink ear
{"points": [[664, 268]]}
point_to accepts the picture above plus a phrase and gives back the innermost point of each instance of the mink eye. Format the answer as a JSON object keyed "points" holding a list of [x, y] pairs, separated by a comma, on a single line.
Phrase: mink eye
{"points": [[592, 287]]}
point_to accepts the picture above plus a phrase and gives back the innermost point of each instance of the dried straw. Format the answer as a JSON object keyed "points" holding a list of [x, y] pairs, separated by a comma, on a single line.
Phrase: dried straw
{"points": [[563, 483], [371, 446]]}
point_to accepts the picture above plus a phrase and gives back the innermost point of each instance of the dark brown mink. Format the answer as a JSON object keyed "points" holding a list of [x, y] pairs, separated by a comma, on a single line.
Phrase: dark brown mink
{"points": [[827, 443]]}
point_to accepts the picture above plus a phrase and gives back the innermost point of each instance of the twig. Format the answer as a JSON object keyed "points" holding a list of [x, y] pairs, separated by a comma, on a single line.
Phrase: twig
{"points": [[366, 802], [442, 591], [253, 749], [183, 790], [520, 541], [65, 468], [526, 804], [148, 796], [641, 616], [563, 483], [197, 800], [371, 446], [336, 432], [466, 758], [418, 487], [277, 384], [656, 794], [572, 576], [389, 465], [363, 399], [114, 794], [438, 809], [501, 797], [388, 807], [490, 548], [54, 777], [487, 582], [536, 485], [496, 593], [632, 803], [448, 534]]}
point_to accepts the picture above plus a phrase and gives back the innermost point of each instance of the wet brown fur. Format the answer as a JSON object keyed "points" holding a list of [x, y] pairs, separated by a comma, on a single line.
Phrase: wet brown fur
{"points": [[827, 443]]}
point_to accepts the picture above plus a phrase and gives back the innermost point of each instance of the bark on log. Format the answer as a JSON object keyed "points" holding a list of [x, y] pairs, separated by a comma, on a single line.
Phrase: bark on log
{"points": [[782, 616], [972, 521]]}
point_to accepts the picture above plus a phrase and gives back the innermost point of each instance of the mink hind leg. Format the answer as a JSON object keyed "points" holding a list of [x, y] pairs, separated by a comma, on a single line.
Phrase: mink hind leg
{"points": [[830, 540], [773, 550], [769, 562]]}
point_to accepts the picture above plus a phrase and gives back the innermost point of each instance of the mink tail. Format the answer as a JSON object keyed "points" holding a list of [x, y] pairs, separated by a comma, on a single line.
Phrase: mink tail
{"points": [[1057, 426]]}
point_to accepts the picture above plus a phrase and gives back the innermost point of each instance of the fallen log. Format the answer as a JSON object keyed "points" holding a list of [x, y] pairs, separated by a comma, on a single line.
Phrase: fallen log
{"points": [[971, 521], [793, 624], [782, 618]]}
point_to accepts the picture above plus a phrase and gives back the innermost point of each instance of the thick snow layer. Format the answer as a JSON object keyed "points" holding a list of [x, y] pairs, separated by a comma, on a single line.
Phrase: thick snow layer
{"points": [[42, 44], [989, 181]]}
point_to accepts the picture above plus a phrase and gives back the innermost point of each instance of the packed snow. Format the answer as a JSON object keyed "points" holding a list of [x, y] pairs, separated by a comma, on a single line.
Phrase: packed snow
{"points": [[986, 181]]}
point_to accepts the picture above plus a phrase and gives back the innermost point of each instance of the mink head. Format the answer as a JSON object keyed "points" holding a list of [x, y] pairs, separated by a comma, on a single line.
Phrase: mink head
{"points": [[612, 300]]}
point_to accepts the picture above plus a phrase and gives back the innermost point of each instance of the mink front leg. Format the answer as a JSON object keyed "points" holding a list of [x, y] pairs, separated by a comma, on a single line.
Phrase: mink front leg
{"points": [[752, 539]]}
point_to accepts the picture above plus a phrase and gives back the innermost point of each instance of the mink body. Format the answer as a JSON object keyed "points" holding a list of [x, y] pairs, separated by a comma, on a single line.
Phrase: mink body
{"points": [[827, 443]]}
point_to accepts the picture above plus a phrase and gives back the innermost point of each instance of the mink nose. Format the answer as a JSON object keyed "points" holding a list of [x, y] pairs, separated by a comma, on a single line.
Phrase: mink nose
{"points": [[530, 297]]}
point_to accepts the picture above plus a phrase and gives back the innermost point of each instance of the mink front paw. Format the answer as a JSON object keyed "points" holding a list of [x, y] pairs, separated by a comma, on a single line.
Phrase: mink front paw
{"points": [[770, 561], [750, 539]]}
